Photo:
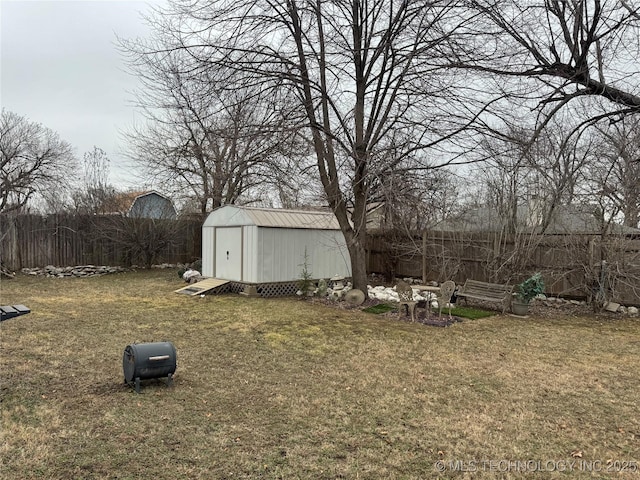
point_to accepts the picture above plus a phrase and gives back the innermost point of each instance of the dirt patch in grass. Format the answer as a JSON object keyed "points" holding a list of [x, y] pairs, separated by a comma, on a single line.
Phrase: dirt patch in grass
{"points": [[284, 388]]}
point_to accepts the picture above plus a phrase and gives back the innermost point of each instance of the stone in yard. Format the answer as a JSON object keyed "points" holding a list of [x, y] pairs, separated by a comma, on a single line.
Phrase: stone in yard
{"points": [[612, 306], [322, 288]]}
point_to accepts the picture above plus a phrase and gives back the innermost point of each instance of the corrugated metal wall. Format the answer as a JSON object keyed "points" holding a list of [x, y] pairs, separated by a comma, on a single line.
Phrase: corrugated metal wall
{"points": [[281, 254], [208, 251], [250, 267]]}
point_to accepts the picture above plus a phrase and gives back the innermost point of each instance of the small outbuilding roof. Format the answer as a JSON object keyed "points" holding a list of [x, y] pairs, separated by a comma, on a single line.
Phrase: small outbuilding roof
{"points": [[231, 215], [123, 203]]}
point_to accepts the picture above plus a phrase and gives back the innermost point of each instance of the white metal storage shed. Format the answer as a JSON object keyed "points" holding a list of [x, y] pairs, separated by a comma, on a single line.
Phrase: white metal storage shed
{"points": [[263, 245]]}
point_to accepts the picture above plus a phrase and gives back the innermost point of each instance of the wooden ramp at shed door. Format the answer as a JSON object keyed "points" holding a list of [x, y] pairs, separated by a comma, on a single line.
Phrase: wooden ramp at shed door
{"points": [[202, 286]]}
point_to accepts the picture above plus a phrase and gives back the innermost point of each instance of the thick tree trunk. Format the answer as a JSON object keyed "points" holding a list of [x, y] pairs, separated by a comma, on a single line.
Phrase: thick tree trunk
{"points": [[356, 244]]}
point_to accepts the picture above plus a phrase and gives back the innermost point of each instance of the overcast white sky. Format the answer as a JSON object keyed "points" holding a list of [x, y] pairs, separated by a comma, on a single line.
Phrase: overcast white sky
{"points": [[60, 67]]}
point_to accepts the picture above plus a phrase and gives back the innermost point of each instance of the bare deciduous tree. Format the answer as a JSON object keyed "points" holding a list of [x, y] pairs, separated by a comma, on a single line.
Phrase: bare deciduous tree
{"points": [[363, 74], [142, 239], [202, 139], [33, 160], [571, 50], [538, 176], [616, 169], [95, 190]]}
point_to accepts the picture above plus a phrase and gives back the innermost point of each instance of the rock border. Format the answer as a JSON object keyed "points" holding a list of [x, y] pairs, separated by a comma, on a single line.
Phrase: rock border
{"points": [[80, 271]]}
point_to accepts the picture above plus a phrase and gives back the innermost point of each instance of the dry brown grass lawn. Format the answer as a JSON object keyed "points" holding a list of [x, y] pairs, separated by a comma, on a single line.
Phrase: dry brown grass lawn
{"points": [[281, 388]]}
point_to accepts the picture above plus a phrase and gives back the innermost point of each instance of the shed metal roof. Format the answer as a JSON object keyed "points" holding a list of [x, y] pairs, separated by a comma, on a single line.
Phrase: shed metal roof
{"points": [[234, 215], [276, 217]]}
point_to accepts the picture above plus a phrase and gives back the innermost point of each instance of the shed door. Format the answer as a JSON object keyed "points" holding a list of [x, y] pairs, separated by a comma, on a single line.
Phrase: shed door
{"points": [[229, 253]]}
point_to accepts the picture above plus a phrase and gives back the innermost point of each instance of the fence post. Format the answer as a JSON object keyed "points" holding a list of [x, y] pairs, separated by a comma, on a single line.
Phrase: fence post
{"points": [[424, 257]]}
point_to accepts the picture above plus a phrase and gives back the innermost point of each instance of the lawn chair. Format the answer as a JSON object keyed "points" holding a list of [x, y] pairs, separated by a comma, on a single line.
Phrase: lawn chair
{"points": [[405, 295], [446, 291]]}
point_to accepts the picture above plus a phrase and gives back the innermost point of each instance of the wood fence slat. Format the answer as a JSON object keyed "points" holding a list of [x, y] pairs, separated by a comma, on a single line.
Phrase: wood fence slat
{"points": [[67, 240], [563, 259]]}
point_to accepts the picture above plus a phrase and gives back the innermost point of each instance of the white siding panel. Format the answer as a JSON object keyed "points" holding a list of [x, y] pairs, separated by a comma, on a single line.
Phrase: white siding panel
{"points": [[251, 255], [208, 251], [335, 257], [282, 253]]}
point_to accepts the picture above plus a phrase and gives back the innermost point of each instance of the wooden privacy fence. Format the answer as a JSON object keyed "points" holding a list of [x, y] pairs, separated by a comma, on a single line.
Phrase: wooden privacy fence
{"points": [[68, 240], [579, 266]]}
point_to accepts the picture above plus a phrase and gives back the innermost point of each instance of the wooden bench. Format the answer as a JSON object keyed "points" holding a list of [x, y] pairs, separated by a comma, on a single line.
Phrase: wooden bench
{"points": [[489, 292]]}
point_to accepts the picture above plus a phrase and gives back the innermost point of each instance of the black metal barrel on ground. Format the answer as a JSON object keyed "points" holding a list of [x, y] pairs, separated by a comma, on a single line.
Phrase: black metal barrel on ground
{"points": [[144, 361]]}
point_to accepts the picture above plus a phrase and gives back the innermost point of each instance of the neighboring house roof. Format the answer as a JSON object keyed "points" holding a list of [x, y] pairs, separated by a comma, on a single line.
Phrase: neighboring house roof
{"points": [[376, 215], [574, 220], [478, 219], [230, 215], [565, 220]]}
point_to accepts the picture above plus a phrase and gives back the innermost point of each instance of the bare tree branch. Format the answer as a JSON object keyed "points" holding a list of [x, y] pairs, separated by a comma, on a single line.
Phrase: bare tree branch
{"points": [[363, 74], [33, 160]]}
